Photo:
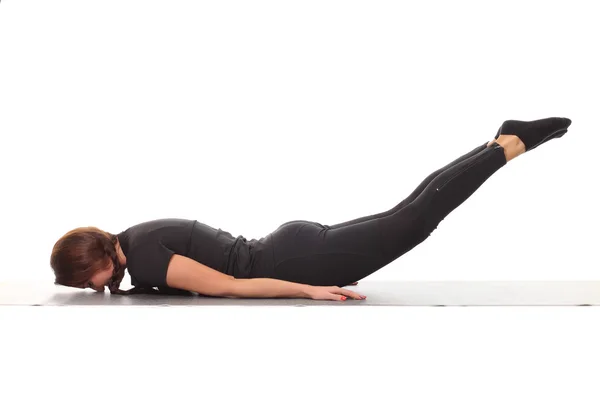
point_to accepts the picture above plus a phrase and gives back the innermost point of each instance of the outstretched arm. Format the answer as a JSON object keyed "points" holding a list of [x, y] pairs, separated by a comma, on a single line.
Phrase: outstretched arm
{"points": [[188, 274]]}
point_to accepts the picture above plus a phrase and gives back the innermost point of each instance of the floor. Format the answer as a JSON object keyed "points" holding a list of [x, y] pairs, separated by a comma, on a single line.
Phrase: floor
{"points": [[379, 293], [418, 353]]}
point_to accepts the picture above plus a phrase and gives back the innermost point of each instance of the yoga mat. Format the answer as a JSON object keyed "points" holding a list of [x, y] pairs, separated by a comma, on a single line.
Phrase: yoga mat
{"points": [[379, 293]]}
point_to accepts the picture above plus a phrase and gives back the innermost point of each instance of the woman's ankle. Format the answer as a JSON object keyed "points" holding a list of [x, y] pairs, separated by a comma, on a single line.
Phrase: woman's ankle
{"points": [[512, 145]]}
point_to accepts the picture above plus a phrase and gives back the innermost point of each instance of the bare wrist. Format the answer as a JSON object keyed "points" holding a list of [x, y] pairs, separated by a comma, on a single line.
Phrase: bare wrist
{"points": [[306, 291]]}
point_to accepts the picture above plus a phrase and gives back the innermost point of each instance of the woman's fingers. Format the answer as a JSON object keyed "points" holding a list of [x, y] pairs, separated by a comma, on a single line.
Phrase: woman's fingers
{"points": [[333, 294], [349, 293], [352, 294]]}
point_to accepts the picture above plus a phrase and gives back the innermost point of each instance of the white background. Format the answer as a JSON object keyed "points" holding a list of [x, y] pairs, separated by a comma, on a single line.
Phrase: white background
{"points": [[245, 115]]}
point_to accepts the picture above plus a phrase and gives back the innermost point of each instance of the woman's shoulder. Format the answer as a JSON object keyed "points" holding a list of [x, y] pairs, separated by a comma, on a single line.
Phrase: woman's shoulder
{"points": [[174, 232], [151, 244], [154, 224]]}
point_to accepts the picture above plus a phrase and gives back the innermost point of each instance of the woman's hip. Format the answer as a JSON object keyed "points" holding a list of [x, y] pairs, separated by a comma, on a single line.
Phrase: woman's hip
{"points": [[301, 238], [313, 253]]}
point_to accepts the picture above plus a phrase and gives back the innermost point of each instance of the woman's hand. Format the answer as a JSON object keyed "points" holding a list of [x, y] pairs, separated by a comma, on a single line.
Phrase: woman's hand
{"points": [[332, 293]]}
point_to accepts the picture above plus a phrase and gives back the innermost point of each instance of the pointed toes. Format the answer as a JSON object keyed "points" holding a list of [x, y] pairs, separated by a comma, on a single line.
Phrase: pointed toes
{"points": [[556, 123]]}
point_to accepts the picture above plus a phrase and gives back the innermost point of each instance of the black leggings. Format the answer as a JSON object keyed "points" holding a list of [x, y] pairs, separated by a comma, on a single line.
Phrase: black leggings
{"points": [[312, 253]]}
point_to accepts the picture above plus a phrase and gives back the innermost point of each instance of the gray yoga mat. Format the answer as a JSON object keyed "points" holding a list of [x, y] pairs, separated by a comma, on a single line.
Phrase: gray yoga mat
{"points": [[379, 293]]}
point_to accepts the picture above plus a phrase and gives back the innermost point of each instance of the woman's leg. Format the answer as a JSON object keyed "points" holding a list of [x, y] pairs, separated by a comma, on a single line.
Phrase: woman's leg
{"points": [[318, 254], [444, 193], [415, 192]]}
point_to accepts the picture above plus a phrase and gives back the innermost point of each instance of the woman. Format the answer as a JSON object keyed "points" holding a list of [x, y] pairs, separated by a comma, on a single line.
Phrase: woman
{"points": [[300, 258]]}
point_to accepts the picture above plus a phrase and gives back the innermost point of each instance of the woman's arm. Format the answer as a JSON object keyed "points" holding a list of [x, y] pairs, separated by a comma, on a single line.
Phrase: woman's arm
{"points": [[268, 287], [188, 274]]}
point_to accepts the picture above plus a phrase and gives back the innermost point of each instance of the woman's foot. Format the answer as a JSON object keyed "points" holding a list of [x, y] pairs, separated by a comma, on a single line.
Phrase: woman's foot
{"points": [[534, 133], [512, 145]]}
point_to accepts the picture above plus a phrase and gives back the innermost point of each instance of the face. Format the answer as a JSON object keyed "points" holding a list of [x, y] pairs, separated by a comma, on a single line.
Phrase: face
{"points": [[100, 279]]}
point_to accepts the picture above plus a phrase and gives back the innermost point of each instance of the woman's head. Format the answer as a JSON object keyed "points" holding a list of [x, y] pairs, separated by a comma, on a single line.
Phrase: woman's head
{"points": [[88, 257]]}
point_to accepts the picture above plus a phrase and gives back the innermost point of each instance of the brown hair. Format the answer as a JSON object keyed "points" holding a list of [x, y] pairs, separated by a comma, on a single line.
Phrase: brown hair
{"points": [[82, 252]]}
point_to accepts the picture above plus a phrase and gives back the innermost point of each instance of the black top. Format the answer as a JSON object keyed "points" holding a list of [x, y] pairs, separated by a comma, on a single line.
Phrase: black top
{"points": [[149, 246]]}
